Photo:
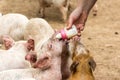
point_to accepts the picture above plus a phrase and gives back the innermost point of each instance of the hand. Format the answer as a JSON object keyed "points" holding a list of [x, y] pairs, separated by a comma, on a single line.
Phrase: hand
{"points": [[78, 17]]}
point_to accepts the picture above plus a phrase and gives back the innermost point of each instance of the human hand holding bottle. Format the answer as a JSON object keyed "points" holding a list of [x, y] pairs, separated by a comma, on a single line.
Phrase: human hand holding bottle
{"points": [[79, 16]]}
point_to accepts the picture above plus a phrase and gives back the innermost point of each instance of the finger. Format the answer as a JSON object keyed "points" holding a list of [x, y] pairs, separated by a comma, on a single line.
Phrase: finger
{"points": [[76, 38], [80, 26], [79, 34], [78, 29]]}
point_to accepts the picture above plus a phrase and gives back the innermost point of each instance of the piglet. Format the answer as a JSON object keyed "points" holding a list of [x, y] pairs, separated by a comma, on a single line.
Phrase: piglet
{"points": [[14, 57], [40, 30], [47, 66], [13, 24], [82, 67], [83, 64]]}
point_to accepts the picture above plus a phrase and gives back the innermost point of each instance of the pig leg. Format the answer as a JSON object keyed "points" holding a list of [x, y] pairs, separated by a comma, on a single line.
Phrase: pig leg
{"points": [[42, 12], [42, 8], [0, 45], [64, 11], [95, 9], [69, 6]]}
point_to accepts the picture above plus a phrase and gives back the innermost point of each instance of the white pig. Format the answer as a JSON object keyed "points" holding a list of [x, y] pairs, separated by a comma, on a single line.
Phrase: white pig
{"points": [[14, 57], [13, 25], [48, 64], [39, 30]]}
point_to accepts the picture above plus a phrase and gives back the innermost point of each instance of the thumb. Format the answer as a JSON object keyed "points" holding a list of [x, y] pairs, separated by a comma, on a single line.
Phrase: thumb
{"points": [[69, 23]]}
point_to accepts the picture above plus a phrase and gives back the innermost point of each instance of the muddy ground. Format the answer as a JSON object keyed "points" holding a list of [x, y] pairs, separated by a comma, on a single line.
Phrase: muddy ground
{"points": [[101, 34]]}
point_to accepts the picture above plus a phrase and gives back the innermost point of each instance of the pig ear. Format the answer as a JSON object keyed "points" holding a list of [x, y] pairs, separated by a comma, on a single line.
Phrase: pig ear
{"points": [[55, 30], [8, 42], [55, 33], [50, 46], [30, 44], [92, 64], [43, 63], [74, 66]]}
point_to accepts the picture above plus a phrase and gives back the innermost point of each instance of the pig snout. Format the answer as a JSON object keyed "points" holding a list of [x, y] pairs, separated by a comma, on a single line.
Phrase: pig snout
{"points": [[31, 57]]}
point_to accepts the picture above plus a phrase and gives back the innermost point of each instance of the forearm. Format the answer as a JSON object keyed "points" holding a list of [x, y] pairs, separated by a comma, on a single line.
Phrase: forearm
{"points": [[86, 5]]}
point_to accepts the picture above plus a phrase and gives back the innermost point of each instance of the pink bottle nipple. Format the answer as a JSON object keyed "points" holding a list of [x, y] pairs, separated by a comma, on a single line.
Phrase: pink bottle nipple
{"points": [[63, 34]]}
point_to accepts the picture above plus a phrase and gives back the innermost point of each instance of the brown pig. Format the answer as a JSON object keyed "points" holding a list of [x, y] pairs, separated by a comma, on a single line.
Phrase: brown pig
{"points": [[83, 64], [14, 57], [48, 64], [82, 68], [67, 57]]}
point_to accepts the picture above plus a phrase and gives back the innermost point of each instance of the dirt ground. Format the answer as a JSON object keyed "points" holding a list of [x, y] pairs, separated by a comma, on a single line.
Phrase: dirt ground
{"points": [[101, 34]]}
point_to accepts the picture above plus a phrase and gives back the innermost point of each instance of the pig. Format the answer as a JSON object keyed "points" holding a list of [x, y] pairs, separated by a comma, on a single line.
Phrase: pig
{"points": [[39, 30], [82, 67], [82, 62], [76, 47], [73, 46], [14, 56], [13, 24], [47, 66], [63, 6]]}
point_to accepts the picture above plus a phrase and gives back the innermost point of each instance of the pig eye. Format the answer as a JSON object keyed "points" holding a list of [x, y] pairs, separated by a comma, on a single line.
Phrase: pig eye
{"points": [[73, 67], [50, 46]]}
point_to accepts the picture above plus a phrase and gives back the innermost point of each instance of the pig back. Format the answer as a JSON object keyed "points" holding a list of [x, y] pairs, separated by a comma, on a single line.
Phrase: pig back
{"points": [[13, 25]]}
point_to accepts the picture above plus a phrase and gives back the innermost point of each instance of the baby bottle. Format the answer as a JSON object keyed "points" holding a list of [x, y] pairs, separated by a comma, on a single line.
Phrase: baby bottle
{"points": [[66, 34]]}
